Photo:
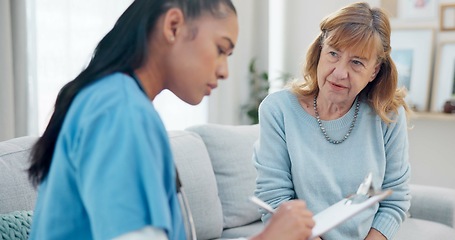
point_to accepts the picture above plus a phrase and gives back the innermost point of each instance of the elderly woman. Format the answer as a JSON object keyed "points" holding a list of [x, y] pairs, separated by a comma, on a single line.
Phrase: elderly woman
{"points": [[322, 136]]}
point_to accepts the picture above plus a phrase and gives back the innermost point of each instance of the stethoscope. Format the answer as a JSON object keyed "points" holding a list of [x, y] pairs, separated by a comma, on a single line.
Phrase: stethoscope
{"points": [[190, 230]]}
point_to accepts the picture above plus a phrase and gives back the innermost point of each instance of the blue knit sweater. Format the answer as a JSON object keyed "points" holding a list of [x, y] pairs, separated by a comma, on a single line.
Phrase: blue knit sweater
{"points": [[294, 160]]}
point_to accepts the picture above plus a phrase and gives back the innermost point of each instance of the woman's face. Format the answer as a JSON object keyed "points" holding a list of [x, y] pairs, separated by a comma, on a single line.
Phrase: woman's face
{"points": [[199, 58], [342, 74]]}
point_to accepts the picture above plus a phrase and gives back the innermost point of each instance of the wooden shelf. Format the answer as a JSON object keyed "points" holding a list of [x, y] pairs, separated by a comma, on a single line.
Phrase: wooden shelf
{"points": [[433, 116]]}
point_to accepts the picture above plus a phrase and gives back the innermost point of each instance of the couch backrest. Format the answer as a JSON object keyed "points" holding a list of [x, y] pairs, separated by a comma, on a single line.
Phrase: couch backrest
{"points": [[16, 191], [198, 180], [191, 157], [231, 149], [217, 172], [214, 163]]}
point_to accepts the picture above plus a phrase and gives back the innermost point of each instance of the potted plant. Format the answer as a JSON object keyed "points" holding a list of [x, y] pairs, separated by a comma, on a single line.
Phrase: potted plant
{"points": [[259, 89]]}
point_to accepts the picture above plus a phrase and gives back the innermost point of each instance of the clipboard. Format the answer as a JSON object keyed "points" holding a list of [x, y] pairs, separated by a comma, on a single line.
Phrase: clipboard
{"points": [[342, 211]]}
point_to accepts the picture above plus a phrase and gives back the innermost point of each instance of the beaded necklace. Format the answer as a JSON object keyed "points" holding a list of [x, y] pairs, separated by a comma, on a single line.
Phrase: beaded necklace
{"points": [[324, 132]]}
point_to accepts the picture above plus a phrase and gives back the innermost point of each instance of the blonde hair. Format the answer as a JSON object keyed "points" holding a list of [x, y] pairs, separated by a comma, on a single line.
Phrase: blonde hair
{"points": [[365, 29]]}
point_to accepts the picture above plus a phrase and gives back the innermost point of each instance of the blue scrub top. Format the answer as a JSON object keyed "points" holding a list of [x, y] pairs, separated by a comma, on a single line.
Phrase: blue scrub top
{"points": [[112, 170]]}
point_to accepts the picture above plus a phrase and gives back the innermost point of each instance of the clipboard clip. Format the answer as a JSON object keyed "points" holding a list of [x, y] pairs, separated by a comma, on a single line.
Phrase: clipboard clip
{"points": [[365, 191]]}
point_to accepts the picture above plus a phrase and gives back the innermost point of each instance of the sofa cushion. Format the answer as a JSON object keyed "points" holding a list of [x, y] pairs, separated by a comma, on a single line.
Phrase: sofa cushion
{"points": [[418, 229], [16, 193], [243, 231], [198, 181], [433, 203], [231, 149], [15, 225]]}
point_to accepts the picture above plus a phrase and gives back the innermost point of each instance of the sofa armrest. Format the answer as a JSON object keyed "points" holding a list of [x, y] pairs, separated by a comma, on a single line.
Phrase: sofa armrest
{"points": [[435, 204]]}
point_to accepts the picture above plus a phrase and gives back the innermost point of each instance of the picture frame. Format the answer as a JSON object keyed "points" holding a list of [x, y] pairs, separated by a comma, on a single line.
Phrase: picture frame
{"points": [[391, 7], [447, 17], [418, 9], [412, 53], [444, 77]]}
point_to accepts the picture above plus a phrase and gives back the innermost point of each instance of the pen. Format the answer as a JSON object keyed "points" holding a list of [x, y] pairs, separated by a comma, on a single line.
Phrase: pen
{"points": [[262, 204]]}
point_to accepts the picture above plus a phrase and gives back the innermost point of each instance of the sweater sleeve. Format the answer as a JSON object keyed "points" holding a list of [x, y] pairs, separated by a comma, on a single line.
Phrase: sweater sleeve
{"points": [[274, 181], [392, 210]]}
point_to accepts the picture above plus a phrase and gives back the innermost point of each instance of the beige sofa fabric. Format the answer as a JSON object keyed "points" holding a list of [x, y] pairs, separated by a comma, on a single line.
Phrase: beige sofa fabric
{"points": [[198, 181], [16, 192], [230, 149]]}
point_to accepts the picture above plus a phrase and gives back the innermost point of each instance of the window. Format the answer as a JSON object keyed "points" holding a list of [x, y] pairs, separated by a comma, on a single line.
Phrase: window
{"points": [[66, 33]]}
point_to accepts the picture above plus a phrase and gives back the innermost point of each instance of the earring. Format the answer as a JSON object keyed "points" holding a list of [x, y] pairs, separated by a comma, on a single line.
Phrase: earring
{"points": [[172, 39]]}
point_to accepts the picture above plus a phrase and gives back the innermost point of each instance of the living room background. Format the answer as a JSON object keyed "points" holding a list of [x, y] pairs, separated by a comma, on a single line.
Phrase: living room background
{"points": [[46, 43]]}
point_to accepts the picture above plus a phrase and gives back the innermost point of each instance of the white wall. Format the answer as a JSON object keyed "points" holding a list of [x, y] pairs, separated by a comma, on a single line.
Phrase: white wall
{"points": [[432, 150], [302, 27], [225, 102]]}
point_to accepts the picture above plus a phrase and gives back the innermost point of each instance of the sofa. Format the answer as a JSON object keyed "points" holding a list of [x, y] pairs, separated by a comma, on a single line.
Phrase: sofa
{"points": [[217, 174]]}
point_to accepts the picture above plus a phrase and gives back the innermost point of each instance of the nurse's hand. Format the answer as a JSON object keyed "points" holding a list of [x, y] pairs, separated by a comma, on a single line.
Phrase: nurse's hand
{"points": [[291, 221]]}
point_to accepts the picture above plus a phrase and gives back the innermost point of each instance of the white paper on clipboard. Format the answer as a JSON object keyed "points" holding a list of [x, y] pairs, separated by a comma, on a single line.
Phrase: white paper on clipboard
{"points": [[340, 212]]}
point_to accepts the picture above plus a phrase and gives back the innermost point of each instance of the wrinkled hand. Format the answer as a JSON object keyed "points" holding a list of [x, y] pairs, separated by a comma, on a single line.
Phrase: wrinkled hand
{"points": [[374, 234], [291, 221]]}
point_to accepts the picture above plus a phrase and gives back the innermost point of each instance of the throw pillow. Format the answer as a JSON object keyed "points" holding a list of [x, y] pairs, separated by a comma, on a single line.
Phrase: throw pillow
{"points": [[15, 225]]}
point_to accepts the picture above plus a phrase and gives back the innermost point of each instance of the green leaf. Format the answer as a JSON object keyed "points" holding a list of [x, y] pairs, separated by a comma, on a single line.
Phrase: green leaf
{"points": [[265, 76], [252, 66]]}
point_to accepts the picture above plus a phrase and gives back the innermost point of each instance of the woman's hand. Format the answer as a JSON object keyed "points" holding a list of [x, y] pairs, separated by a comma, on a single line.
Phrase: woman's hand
{"points": [[374, 234], [292, 220]]}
